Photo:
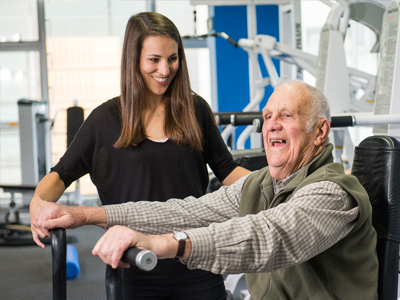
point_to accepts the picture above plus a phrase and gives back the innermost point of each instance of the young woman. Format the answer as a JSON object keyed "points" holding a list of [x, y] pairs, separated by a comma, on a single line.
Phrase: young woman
{"points": [[153, 142]]}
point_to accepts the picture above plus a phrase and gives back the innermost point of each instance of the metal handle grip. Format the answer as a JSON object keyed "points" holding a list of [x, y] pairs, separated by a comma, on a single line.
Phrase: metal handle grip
{"points": [[143, 259]]}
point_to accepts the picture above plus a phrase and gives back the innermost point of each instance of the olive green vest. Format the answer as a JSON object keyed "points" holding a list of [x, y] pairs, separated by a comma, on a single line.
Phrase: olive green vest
{"points": [[347, 270]]}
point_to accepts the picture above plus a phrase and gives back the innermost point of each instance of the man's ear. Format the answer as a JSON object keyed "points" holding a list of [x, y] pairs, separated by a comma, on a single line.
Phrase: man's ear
{"points": [[323, 129]]}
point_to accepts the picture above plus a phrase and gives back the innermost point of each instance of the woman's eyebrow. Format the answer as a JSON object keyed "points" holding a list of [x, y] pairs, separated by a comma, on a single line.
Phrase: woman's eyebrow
{"points": [[154, 55]]}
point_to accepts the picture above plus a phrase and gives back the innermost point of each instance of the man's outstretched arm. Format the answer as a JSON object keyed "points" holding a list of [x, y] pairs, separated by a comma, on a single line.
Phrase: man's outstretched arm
{"points": [[53, 215], [147, 217], [112, 245]]}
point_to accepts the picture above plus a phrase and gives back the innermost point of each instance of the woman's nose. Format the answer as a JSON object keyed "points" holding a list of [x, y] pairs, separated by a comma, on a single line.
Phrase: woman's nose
{"points": [[163, 68]]}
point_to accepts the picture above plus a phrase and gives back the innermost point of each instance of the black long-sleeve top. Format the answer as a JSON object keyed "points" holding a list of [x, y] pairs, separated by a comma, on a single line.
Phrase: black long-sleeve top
{"points": [[149, 171]]}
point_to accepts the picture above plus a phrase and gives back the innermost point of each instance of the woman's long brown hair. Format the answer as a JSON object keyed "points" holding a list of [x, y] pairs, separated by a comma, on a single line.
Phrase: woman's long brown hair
{"points": [[181, 125]]}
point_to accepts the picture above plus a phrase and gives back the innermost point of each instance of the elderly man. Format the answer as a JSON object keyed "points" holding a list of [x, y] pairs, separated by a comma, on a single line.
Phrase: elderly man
{"points": [[299, 228]]}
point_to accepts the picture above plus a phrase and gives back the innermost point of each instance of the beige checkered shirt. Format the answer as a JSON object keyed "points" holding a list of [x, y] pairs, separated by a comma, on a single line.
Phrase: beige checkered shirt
{"points": [[315, 218]]}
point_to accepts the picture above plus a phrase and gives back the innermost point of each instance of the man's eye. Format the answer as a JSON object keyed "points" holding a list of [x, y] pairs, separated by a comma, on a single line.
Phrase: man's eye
{"points": [[287, 116]]}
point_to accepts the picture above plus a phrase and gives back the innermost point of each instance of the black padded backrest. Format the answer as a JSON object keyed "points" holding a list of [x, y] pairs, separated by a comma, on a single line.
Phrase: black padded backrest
{"points": [[377, 166]]}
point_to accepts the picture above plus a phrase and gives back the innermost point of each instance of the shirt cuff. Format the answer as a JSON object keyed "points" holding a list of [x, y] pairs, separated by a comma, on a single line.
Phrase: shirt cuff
{"points": [[203, 250], [116, 215]]}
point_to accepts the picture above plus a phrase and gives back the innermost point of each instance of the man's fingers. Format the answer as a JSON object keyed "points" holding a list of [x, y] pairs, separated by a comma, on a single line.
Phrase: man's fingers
{"points": [[49, 224], [36, 232], [98, 245], [110, 250], [116, 257], [42, 232], [37, 240], [55, 223]]}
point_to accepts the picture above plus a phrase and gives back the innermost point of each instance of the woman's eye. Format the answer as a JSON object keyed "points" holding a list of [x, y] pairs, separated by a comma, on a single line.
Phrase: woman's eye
{"points": [[172, 59], [155, 60]]}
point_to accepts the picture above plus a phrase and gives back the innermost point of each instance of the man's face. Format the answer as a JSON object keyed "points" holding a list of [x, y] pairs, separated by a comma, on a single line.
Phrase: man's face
{"points": [[287, 145]]}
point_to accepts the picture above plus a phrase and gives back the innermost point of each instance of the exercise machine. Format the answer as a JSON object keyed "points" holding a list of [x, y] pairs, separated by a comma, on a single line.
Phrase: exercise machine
{"points": [[143, 259], [356, 88]]}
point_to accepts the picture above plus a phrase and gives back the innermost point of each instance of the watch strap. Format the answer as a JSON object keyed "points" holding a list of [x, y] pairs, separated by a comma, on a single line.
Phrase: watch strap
{"points": [[181, 249]]}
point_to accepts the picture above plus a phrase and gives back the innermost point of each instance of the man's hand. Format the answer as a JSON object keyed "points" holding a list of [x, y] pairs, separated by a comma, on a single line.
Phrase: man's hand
{"points": [[112, 245], [37, 230], [49, 189], [53, 215]]}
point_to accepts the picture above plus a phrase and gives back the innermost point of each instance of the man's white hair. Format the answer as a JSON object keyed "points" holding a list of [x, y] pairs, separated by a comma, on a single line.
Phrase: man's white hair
{"points": [[319, 108]]}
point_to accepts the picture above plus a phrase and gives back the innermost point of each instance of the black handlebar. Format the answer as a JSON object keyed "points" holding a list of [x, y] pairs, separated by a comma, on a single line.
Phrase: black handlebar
{"points": [[342, 121], [255, 118], [236, 119], [143, 259], [59, 261]]}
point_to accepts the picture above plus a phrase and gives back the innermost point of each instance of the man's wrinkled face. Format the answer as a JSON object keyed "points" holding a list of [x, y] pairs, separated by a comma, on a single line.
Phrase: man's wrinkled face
{"points": [[287, 145]]}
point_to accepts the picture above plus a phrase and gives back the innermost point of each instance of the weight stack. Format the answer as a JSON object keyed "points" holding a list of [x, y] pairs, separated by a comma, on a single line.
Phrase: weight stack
{"points": [[75, 118]]}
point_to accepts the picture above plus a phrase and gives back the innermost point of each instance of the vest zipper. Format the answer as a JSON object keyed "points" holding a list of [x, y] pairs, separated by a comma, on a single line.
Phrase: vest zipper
{"points": [[283, 191]]}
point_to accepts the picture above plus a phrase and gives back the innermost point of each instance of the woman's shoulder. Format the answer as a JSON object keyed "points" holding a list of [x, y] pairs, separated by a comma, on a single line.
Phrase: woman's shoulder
{"points": [[199, 102], [201, 106], [109, 104], [108, 107]]}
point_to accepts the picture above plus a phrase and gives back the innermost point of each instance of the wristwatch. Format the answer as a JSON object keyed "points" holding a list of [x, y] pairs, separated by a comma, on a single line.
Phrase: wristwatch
{"points": [[181, 237]]}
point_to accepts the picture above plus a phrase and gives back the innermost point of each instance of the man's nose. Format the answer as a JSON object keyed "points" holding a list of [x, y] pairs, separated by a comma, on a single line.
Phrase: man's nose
{"points": [[272, 124]]}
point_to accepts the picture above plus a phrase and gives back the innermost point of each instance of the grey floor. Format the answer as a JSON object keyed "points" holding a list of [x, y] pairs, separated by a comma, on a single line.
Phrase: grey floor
{"points": [[26, 271]]}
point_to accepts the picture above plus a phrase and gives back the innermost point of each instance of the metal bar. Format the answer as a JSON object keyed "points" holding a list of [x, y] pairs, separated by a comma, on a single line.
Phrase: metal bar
{"points": [[246, 118], [43, 54], [20, 46], [363, 120]]}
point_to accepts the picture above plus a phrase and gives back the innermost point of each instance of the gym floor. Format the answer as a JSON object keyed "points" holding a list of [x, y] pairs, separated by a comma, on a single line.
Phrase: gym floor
{"points": [[26, 271]]}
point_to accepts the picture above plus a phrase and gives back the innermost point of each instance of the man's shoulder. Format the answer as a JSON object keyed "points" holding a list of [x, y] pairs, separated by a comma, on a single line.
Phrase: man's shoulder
{"points": [[334, 173], [327, 171]]}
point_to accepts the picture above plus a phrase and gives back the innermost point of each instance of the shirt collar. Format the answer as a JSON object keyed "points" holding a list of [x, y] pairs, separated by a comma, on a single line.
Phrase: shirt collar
{"points": [[280, 185]]}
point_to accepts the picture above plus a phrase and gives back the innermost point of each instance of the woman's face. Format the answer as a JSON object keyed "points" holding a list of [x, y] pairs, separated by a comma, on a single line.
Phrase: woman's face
{"points": [[159, 63]]}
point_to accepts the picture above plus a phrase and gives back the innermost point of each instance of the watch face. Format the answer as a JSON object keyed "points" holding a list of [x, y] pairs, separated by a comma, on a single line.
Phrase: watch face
{"points": [[180, 235]]}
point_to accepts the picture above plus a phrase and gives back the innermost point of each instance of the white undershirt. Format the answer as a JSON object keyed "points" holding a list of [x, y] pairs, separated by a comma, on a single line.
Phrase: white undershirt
{"points": [[160, 141]]}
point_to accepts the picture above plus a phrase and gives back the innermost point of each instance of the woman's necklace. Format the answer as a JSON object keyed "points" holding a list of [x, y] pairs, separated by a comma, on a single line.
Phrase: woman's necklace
{"points": [[159, 113]]}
